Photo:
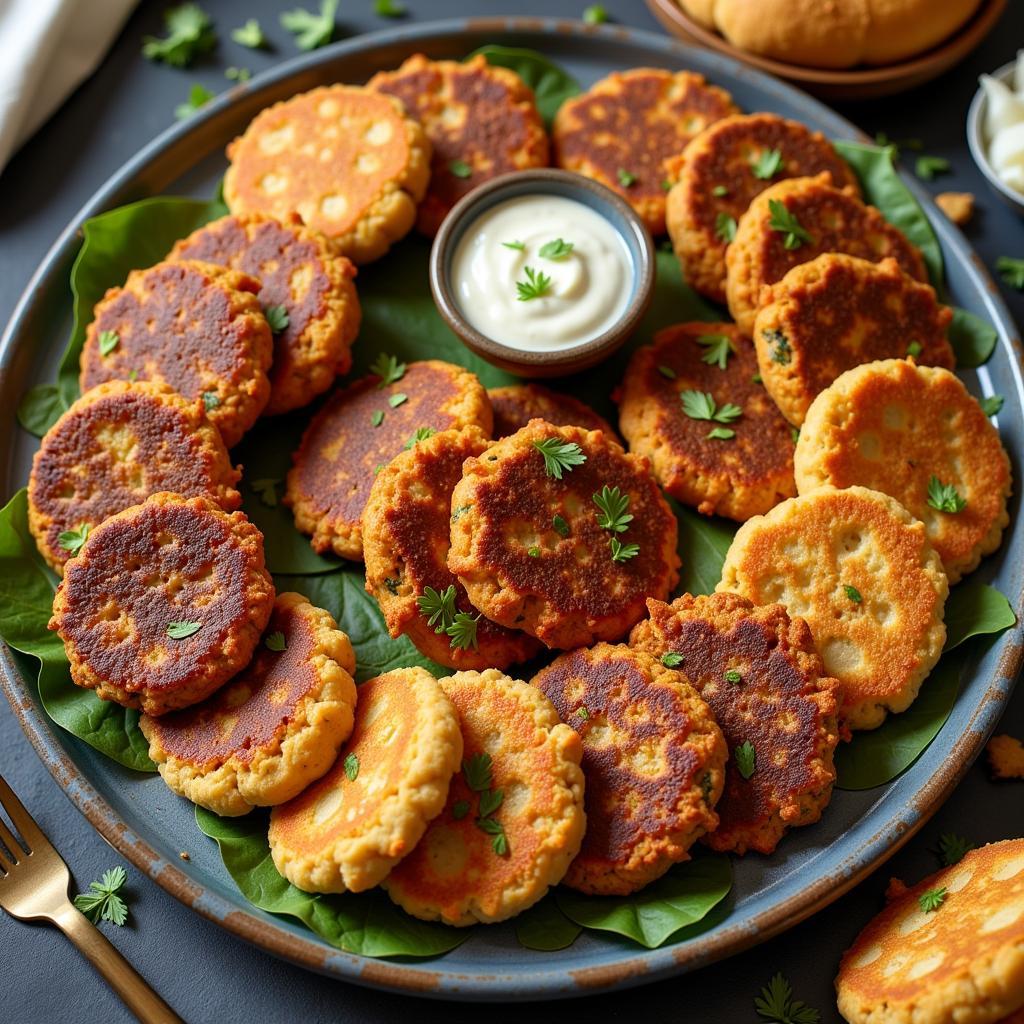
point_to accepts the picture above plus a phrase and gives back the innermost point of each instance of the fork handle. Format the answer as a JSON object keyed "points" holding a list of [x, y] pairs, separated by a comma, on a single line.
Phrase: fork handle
{"points": [[134, 991]]}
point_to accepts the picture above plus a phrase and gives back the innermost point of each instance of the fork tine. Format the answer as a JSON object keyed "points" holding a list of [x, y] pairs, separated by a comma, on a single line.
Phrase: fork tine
{"points": [[30, 832], [14, 853]]}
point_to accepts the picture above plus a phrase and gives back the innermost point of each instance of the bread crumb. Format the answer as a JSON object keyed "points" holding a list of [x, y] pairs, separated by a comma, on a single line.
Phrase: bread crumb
{"points": [[184, 855], [957, 206], [895, 889], [1005, 757]]}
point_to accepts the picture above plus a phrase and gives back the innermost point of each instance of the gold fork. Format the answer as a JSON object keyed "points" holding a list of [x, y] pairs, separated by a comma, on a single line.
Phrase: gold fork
{"points": [[34, 887]]}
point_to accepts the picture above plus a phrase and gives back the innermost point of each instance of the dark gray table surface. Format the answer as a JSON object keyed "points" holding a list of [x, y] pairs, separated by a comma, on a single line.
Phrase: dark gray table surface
{"points": [[208, 974]]}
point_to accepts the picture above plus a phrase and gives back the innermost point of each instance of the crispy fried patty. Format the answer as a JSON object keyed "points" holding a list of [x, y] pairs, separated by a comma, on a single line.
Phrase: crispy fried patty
{"points": [[515, 405]]}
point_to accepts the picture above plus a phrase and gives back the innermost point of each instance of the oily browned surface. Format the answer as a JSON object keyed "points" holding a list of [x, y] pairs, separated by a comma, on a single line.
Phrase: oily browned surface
{"points": [[515, 405]]}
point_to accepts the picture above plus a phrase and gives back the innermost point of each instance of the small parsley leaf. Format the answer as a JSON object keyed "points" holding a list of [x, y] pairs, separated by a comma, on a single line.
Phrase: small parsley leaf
{"points": [[768, 164], [476, 770], [460, 168], [623, 552], [198, 96], [667, 372], [277, 318], [559, 455], [953, 848], [397, 399], [438, 607], [721, 434], [1011, 270], [725, 227], [781, 220], [183, 630], [595, 14], [72, 540], [517, 245], [210, 400], [266, 490], [926, 167], [931, 899], [733, 676], [719, 190], [311, 30], [991, 404], [422, 433], [944, 497], [746, 758], [556, 249], [852, 593], [537, 284], [108, 341], [234, 74], [462, 631], [583, 712], [189, 35], [250, 35], [560, 526], [377, 417], [719, 348], [533, 552], [776, 1004], [613, 504], [700, 405], [275, 641], [102, 901], [490, 801], [388, 9], [388, 368], [351, 766], [914, 349], [626, 178], [671, 659]]}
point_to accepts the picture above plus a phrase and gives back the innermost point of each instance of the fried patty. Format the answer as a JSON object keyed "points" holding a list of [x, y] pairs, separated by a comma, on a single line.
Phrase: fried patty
{"points": [[515, 405], [907, 431], [520, 773], [301, 275], [735, 466], [529, 546], [836, 312], [858, 567], [626, 128], [348, 160], [358, 431], [961, 961], [349, 829], [276, 727], [164, 603], [117, 445], [653, 758], [722, 170], [406, 530], [193, 326], [810, 217], [759, 671], [481, 120]]}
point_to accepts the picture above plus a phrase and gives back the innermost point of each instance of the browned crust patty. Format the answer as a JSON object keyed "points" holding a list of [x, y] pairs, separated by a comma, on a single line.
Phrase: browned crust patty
{"points": [[719, 174], [515, 405], [836, 312], [196, 327], [171, 560], [117, 445], [836, 221], [653, 758], [406, 527], [627, 128], [344, 444], [739, 476], [298, 270], [560, 584], [478, 116], [782, 703]]}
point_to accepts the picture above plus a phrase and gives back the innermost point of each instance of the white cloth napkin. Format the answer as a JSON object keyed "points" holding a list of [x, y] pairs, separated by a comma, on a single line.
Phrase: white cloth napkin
{"points": [[48, 48]]}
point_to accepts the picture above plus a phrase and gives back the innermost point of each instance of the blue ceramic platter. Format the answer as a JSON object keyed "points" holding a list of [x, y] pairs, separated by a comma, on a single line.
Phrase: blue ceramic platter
{"points": [[813, 866]]}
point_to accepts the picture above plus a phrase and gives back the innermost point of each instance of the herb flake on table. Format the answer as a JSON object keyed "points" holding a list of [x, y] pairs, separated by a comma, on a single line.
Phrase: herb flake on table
{"points": [[233, 74], [719, 348], [198, 96], [71, 541], [183, 630], [275, 642], [265, 489], [745, 757], [944, 497], [102, 901], [623, 552], [612, 504], [438, 607], [250, 35], [311, 31], [388, 368], [991, 404], [725, 227], [927, 167], [767, 165], [351, 767], [460, 168], [277, 318], [108, 341], [953, 848], [556, 249], [189, 35], [1011, 270], [595, 14], [559, 455], [786, 223], [626, 178], [776, 1004], [931, 899], [536, 285], [700, 405], [389, 9]]}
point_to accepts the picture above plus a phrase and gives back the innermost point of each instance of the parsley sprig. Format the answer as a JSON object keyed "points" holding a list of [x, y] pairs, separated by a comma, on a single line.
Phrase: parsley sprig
{"points": [[198, 97], [275, 641], [1011, 270], [102, 901], [444, 617], [189, 35], [776, 1003], [422, 433], [623, 552], [953, 848], [725, 227], [462, 631], [72, 540], [250, 35], [311, 30], [613, 504], [108, 341], [781, 220], [719, 348], [944, 497], [478, 773], [700, 405], [931, 899], [767, 164], [536, 285], [556, 249], [277, 318], [559, 455], [388, 368]]}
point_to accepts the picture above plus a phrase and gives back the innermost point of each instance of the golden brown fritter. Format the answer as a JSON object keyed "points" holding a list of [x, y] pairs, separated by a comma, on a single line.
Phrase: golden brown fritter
{"points": [[736, 465], [480, 118], [516, 404], [117, 445], [759, 671]]}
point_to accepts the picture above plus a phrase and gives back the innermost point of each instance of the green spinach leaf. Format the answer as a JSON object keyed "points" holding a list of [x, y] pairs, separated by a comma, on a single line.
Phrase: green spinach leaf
{"points": [[703, 542], [973, 609], [39, 408], [550, 84], [973, 339], [545, 928]]}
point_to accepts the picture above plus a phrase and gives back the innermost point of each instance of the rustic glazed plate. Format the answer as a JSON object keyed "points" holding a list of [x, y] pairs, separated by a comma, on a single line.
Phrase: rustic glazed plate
{"points": [[812, 867]]}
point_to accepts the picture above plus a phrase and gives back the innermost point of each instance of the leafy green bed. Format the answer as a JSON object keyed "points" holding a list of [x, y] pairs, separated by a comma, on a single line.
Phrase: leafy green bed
{"points": [[399, 317]]}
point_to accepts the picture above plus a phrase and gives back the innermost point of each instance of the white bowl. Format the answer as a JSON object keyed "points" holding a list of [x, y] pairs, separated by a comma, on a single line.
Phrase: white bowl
{"points": [[978, 141]]}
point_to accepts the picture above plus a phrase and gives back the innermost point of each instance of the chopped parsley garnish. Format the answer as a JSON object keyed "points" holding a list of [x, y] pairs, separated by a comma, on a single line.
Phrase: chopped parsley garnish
{"points": [[560, 526], [72, 540], [198, 96], [422, 433], [700, 405], [490, 801], [250, 35], [277, 318], [953, 848], [992, 404], [733, 676], [944, 497], [613, 504], [666, 185], [438, 607], [583, 712], [926, 167], [189, 34], [517, 245], [720, 434], [914, 349], [460, 168], [108, 341], [351, 766], [783, 221], [767, 164], [495, 829], [725, 227], [756, 379], [233, 74], [746, 758], [780, 350], [476, 770], [210, 400], [397, 399], [852, 593], [266, 490], [776, 1004], [671, 659], [626, 178], [183, 630], [460, 809], [388, 9], [559, 455], [623, 552], [388, 368], [931, 899], [1011, 271], [719, 348], [719, 190], [533, 552], [667, 372], [462, 631], [794, 433], [133, 376], [377, 417], [311, 30], [102, 901], [556, 249], [595, 14], [459, 512], [537, 283], [275, 641]]}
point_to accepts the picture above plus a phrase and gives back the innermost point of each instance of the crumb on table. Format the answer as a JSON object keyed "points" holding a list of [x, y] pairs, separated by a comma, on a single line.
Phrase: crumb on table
{"points": [[184, 855], [1005, 757], [895, 889], [957, 206]]}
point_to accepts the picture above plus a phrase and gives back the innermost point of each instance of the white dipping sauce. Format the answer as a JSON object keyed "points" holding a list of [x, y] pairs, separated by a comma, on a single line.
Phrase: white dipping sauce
{"points": [[1004, 125], [589, 287]]}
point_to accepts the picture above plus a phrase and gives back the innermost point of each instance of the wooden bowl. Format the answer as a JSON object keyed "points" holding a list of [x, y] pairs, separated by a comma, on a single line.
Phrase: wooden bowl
{"points": [[854, 84]]}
